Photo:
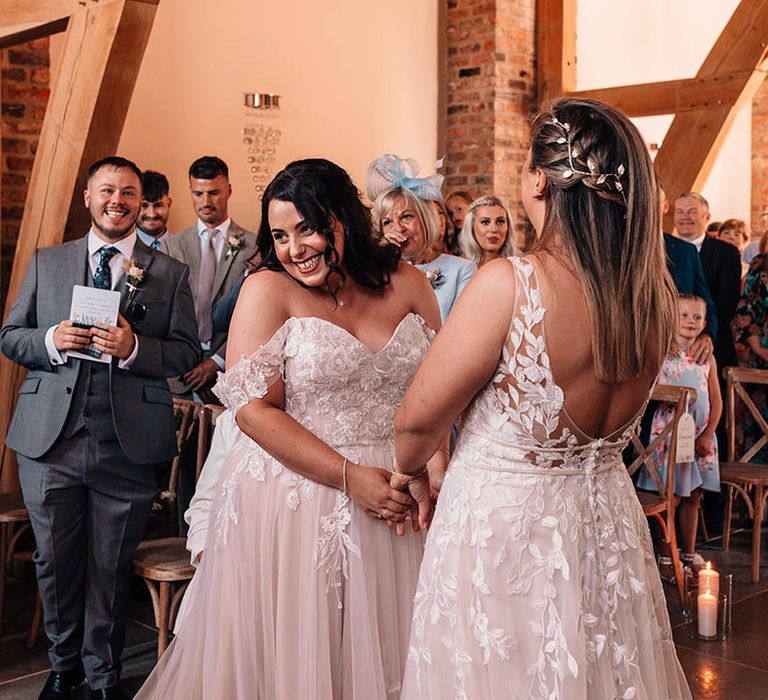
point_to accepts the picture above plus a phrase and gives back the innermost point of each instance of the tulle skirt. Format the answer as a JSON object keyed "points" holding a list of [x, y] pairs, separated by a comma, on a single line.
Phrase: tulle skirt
{"points": [[300, 595], [540, 585]]}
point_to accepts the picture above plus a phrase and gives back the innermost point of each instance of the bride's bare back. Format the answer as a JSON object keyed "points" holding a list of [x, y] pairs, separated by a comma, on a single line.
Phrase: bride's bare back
{"points": [[595, 408]]}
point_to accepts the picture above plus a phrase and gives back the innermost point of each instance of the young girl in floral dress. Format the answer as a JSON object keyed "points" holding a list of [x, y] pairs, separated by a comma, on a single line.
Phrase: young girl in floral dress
{"points": [[680, 369]]}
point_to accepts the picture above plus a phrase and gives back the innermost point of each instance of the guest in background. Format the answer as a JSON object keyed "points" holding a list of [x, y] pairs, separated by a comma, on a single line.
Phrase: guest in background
{"points": [[457, 204], [485, 234], [734, 231], [680, 368], [444, 229], [216, 250], [404, 217], [152, 224], [722, 269], [713, 228], [750, 329], [684, 264], [91, 436]]}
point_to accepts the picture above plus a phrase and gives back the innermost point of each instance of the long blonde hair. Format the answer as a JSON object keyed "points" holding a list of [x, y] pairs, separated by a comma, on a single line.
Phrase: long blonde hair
{"points": [[470, 248], [602, 203]]}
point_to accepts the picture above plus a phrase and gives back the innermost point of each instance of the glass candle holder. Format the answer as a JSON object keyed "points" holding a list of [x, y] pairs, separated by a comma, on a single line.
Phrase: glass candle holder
{"points": [[708, 615]]}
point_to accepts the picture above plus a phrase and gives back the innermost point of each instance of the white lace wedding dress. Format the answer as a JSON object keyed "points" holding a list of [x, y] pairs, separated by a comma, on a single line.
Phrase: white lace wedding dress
{"points": [[538, 579], [300, 595]]}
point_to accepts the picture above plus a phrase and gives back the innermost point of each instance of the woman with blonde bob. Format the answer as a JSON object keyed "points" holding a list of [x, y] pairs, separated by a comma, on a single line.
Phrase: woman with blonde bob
{"points": [[486, 233], [538, 578], [405, 217]]}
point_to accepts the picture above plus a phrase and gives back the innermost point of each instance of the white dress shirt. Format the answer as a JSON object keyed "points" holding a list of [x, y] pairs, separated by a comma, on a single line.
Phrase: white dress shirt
{"points": [[698, 241], [124, 252]]}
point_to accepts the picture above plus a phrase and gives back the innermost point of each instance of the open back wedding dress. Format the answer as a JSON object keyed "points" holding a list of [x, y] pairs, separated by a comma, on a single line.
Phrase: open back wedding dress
{"points": [[539, 579]]}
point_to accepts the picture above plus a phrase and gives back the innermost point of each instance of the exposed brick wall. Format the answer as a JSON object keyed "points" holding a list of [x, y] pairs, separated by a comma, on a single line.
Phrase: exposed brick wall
{"points": [[490, 96], [25, 81], [760, 161]]}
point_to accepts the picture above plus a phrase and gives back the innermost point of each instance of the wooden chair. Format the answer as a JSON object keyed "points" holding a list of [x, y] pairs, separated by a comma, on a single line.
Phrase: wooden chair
{"points": [[12, 514], [661, 505], [187, 414], [164, 563], [747, 479]]}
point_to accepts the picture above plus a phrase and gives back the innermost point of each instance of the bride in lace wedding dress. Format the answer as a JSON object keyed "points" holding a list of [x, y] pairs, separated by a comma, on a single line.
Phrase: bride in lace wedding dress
{"points": [[538, 579], [305, 589]]}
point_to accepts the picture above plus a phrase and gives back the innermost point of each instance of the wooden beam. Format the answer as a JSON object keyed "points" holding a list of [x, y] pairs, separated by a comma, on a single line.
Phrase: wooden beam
{"points": [[556, 47], [10, 36], [695, 137], [44, 11], [672, 96], [100, 60]]}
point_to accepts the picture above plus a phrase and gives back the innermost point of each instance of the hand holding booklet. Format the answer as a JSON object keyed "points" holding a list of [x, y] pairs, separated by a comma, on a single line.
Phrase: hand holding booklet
{"points": [[93, 307]]}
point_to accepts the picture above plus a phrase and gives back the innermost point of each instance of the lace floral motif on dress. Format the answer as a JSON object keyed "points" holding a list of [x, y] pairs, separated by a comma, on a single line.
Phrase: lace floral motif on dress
{"points": [[335, 545], [337, 388]]}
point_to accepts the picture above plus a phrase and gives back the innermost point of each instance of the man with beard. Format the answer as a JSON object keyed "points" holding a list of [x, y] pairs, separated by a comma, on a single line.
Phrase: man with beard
{"points": [[152, 224], [216, 250], [87, 458]]}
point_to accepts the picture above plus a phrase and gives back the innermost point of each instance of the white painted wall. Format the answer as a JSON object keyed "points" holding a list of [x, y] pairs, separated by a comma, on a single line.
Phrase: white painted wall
{"points": [[638, 41]]}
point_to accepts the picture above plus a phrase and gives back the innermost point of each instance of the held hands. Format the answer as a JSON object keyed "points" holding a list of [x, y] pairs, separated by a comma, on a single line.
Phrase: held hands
{"points": [[701, 349], [419, 488], [370, 489]]}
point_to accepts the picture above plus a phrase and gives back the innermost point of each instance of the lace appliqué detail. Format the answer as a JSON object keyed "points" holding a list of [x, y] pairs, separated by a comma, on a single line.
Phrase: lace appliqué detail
{"points": [[335, 546]]}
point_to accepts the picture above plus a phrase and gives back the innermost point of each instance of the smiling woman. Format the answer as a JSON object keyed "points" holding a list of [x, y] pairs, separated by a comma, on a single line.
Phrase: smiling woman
{"points": [[303, 590]]}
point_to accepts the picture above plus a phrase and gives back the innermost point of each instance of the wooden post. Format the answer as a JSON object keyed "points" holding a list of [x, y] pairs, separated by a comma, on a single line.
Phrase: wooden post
{"points": [[103, 48], [694, 138], [556, 47]]}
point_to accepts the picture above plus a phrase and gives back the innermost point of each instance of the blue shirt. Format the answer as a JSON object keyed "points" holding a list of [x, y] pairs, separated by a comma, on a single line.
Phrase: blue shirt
{"points": [[454, 273]]}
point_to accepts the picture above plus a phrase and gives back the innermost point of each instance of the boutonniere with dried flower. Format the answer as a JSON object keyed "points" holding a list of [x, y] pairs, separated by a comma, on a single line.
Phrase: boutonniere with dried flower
{"points": [[233, 245], [134, 275], [435, 277]]}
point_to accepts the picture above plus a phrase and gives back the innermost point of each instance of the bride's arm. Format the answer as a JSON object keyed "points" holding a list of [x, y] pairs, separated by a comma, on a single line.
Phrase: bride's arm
{"points": [[460, 362], [262, 309]]}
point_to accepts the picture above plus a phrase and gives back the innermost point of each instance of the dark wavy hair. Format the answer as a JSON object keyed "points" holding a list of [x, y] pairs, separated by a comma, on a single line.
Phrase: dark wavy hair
{"points": [[322, 191]]}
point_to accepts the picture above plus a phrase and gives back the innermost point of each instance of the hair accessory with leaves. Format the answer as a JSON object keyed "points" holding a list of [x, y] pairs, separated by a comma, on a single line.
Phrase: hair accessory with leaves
{"points": [[593, 171]]}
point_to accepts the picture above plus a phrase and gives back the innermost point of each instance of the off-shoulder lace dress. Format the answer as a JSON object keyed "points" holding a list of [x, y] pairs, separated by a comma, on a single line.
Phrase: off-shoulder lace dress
{"points": [[538, 578], [301, 596]]}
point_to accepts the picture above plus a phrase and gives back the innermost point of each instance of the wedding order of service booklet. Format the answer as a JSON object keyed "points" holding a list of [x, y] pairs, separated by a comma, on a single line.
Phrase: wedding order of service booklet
{"points": [[93, 307]]}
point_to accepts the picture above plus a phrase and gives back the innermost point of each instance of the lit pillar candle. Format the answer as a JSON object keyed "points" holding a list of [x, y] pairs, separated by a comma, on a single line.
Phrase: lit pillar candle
{"points": [[709, 580], [707, 614]]}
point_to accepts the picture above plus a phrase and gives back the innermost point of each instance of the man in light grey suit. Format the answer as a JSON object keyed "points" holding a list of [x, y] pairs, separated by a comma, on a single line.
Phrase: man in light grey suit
{"points": [[216, 250], [90, 436]]}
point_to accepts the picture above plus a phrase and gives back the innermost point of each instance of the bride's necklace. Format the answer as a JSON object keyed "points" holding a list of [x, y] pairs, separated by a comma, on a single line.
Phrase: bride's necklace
{"points": [[339, 301]]}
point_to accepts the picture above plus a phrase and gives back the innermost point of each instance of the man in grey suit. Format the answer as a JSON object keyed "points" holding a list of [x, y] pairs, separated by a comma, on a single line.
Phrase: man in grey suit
{"points": [[90, 436], [216, 250]]}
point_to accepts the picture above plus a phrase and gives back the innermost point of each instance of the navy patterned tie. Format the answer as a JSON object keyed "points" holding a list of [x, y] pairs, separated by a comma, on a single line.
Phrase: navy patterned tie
{"points": [[102, 278]]}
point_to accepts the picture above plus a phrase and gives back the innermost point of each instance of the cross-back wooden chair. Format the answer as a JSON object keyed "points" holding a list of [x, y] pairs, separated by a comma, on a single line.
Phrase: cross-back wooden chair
{"points": [[747, 479], [164, 563], [660, 505], [14, 522]]}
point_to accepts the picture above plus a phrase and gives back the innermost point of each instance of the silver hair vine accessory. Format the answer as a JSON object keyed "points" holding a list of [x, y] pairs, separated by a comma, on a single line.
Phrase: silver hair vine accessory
{"points": [[573, 152]]}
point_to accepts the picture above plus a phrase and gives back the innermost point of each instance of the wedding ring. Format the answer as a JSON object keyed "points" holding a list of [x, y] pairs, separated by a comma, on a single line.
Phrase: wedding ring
{"points": [[381, 513]]}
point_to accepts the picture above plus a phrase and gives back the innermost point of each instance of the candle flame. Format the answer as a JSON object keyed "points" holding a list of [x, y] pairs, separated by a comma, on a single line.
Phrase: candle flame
{"points": [[709, 565]]}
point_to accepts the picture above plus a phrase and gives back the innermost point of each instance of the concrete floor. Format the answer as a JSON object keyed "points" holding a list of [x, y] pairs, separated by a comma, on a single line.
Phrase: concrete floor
{"points": [[736, 669]]}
